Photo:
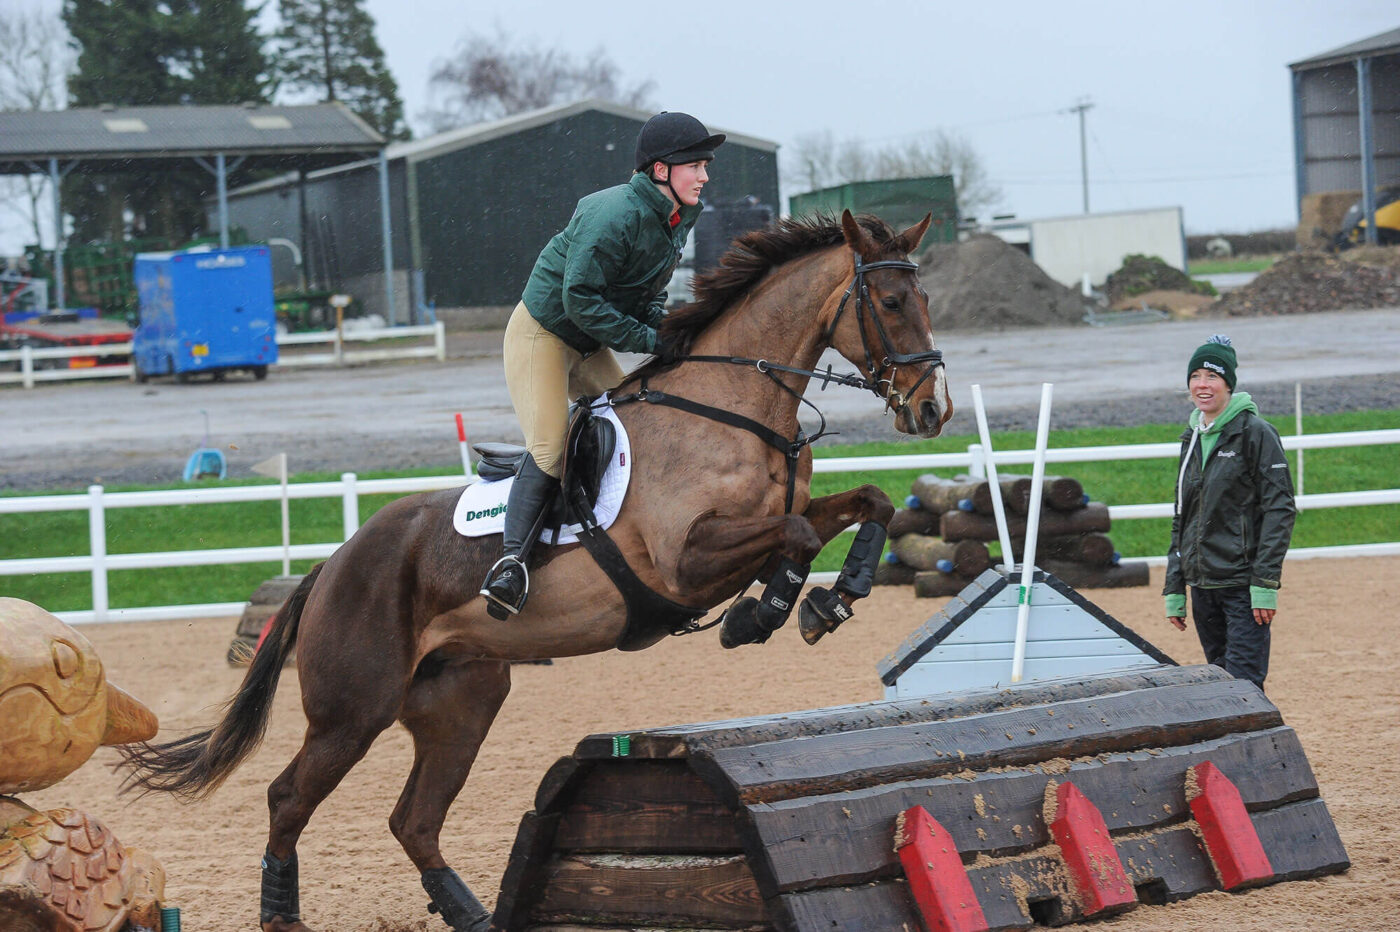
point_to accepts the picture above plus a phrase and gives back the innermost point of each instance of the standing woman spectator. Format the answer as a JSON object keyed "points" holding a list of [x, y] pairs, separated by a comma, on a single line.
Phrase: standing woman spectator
{"points": [[1233, 518]]}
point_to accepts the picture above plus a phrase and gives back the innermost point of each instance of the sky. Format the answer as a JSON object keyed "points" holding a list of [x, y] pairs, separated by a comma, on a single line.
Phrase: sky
{"points": [[1191, 99]]}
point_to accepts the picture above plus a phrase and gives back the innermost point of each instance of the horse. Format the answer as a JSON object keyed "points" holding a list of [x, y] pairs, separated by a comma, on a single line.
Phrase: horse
{"points": [[391, 626]]}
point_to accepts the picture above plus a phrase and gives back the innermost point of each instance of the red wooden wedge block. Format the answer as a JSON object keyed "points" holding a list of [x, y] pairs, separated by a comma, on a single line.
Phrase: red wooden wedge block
{"points": [[1229, 833], [1078, 828], [936, 875]]}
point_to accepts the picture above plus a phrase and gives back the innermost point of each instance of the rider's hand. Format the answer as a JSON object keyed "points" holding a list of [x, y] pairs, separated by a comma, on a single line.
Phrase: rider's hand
{"points": [[668, 349]]}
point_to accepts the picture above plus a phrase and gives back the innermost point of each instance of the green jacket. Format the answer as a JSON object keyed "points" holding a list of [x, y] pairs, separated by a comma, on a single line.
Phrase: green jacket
{"points": [[1234, 507], [602, 281]]}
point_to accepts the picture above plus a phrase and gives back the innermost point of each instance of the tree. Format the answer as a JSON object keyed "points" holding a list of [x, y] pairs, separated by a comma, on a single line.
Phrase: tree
{"points": [[327, 48], [34, 62], [493, 77], [150, 53], [817, 160]]}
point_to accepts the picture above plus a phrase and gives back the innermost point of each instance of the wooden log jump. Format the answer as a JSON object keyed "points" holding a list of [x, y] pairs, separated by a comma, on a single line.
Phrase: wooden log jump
{"points": [[966, 525], [787, 822], [967, 558]]}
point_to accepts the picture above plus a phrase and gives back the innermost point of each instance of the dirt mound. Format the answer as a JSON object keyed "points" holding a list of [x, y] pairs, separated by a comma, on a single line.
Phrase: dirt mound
{"points": [[1315, 281], [1140, 274], [1179, 303], [986, 283]]}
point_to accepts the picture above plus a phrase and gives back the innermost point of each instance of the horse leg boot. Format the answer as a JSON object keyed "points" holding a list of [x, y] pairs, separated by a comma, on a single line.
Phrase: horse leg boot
{"points": [[824, 609], [280, 891], [752, 621], [454, 901], [507, 585]]}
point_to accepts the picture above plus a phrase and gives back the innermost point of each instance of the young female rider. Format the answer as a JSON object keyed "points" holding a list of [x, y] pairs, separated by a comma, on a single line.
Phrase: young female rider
{"points": [[599, 285]]}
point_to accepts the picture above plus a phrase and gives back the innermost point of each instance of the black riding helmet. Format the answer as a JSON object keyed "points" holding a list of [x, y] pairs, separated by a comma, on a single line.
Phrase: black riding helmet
{"points": [[675, 138]]}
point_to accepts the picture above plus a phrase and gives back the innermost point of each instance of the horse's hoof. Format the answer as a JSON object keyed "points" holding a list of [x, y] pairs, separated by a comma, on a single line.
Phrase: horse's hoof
{"points": [[821, 612], [741, 625]]}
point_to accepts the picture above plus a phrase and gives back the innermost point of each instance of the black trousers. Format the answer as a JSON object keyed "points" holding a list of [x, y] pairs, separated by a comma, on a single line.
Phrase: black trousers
{"points": [[1229, 635]]}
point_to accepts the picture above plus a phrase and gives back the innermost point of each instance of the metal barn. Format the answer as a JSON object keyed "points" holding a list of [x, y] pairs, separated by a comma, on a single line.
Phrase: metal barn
{"points": [[470, 209], [1346, 119]]}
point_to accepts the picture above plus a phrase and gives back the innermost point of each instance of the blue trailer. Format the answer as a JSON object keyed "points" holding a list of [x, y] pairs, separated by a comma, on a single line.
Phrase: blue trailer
{"points": [[204, 311]]}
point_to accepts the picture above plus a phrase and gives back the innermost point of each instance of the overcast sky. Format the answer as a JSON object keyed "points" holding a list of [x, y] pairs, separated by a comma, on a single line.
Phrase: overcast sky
{"points": [[1191, 98]]}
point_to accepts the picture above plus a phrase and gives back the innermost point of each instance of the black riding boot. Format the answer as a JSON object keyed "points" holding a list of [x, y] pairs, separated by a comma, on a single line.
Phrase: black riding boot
{"points": [[507, 585]]}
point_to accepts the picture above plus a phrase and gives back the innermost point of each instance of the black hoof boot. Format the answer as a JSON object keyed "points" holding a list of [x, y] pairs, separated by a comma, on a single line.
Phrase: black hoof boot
{"points": [[506, 588], [741, 625], [821, 612], [451, 899]]}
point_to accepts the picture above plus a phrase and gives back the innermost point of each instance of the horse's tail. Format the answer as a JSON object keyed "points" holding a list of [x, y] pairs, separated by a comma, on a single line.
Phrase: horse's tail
{"points": [[194, 766]]}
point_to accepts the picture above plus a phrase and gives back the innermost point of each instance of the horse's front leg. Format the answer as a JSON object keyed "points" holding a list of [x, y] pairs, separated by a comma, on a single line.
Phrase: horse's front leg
{"points": [[870, 508], [722, 553]]}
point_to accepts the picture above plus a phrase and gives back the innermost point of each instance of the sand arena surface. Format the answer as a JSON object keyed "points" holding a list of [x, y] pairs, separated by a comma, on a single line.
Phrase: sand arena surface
{"points": [[1333, 676]]}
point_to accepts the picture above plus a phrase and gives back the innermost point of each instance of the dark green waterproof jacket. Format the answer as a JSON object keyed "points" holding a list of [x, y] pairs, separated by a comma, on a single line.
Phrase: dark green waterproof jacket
{"points": [[602, 281], [1234, 510]]}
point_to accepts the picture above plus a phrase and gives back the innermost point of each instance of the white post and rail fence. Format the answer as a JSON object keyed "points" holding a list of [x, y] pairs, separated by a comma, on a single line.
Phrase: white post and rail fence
{"points": [[32, 369], [97, 502]]}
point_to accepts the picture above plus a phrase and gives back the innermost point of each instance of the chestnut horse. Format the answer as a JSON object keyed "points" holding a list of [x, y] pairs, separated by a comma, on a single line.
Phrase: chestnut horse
{"points": [[391, 627]]}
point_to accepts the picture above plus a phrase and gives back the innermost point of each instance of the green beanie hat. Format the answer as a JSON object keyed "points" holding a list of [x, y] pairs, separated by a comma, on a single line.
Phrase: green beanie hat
{"points": [[1217, 355]]}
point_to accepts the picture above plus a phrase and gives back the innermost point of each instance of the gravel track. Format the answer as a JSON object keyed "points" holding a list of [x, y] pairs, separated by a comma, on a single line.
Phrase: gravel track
{"points": [[63, 437]]}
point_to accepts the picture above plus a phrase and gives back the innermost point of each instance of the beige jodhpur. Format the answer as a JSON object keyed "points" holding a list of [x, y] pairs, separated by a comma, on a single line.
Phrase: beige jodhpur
{"points": [[543, 374]]}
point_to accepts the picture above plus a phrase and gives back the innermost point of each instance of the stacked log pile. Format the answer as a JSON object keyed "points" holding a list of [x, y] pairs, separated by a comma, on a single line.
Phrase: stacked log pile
{"points": [[938, 542]]}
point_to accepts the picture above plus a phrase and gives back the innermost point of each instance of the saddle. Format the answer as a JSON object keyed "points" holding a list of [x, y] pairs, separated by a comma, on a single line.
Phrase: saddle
{"points": [[588, 449]]}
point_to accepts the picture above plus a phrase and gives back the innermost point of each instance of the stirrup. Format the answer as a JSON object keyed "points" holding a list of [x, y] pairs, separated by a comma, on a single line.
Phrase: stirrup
{"points": [[495, 604]]}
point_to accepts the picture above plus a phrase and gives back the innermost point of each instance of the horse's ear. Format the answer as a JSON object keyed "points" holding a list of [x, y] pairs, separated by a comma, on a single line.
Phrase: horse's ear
{"points": [[856, 237], [909, 240]]}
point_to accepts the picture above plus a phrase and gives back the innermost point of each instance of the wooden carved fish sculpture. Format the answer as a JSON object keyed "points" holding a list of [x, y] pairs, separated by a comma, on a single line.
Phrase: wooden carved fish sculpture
{"points": [[63, 869]]}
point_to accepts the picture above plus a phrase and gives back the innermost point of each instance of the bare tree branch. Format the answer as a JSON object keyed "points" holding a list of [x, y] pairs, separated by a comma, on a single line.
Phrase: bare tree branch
{"points": [[817, 161], [490, 77], [34, 64]]}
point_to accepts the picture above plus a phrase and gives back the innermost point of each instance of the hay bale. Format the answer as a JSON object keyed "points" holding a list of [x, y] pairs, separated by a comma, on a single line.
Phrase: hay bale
{"points": [[1320, 217]]}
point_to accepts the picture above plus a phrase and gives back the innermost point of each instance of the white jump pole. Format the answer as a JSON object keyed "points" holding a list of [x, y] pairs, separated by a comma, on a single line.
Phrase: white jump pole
{"points": [[1298, 429], [1008, 559], [1023, 613]]}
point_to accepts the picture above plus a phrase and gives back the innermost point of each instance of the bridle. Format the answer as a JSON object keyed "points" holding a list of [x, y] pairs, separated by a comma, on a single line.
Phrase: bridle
{"points": [[879, 385], [890, 360]]}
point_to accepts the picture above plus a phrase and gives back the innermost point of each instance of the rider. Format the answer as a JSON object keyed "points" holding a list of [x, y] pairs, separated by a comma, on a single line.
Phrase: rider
{"points": [[599, 285]]}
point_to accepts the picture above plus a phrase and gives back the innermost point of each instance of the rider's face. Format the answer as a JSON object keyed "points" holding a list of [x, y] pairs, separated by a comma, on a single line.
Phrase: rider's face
{"points": [[687, 180]]}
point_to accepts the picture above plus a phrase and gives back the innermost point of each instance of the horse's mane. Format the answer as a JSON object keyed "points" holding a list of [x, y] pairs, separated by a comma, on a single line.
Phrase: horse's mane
{"points": [[752, 256]]}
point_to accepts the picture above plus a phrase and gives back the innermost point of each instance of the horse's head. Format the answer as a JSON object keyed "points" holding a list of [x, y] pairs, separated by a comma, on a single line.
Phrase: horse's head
{"points": [[882, 326]]}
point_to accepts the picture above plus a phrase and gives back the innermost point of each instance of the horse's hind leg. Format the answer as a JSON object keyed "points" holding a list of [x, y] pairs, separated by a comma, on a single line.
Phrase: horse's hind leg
{"points": [[824, 609], [448, 711], [331, 748]]}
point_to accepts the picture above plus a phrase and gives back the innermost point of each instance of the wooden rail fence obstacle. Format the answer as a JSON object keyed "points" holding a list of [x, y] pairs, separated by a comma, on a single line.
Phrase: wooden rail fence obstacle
{"points": [[262, 605], [787, 822]]}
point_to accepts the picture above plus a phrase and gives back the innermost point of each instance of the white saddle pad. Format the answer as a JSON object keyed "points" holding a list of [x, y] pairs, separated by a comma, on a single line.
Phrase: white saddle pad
{"points": [[481, 510]]}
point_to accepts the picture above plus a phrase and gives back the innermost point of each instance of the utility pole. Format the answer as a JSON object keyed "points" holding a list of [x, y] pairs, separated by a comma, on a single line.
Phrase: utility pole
{"points": [[1083, 106]]}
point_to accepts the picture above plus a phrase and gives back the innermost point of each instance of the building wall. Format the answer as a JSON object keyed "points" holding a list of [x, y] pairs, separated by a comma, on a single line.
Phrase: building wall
{"points": [[486, 211], [1331, 130], [1067, 247]]}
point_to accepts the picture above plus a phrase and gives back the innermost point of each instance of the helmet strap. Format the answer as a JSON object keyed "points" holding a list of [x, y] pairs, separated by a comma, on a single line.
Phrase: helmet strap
{"points": [[676, 198]]}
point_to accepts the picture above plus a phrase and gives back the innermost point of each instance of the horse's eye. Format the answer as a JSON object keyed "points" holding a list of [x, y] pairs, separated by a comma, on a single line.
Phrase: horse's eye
{"points": [[890, 302]]}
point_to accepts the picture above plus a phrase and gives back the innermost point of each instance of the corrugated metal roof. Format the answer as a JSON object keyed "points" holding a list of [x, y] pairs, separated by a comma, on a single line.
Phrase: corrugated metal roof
{"points": [[171, 132], [1386, 43], [420, 150]]}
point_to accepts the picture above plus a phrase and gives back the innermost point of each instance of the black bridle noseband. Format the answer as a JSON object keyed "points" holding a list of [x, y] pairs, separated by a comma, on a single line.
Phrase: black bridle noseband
{"points": [[890, 360], [882, 387]]}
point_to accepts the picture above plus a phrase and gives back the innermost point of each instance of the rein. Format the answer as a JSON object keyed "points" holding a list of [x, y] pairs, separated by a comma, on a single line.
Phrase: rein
{"points": [[792, 449]]}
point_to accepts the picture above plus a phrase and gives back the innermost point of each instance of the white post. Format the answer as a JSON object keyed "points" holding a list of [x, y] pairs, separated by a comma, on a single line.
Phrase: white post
{"points": [[97, 539], [1298, 429], [286, 518], [1023, 613], [349, 505], [440, 340], [1087, 288], [1008, 559], [976, 467], [26, 365]]}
